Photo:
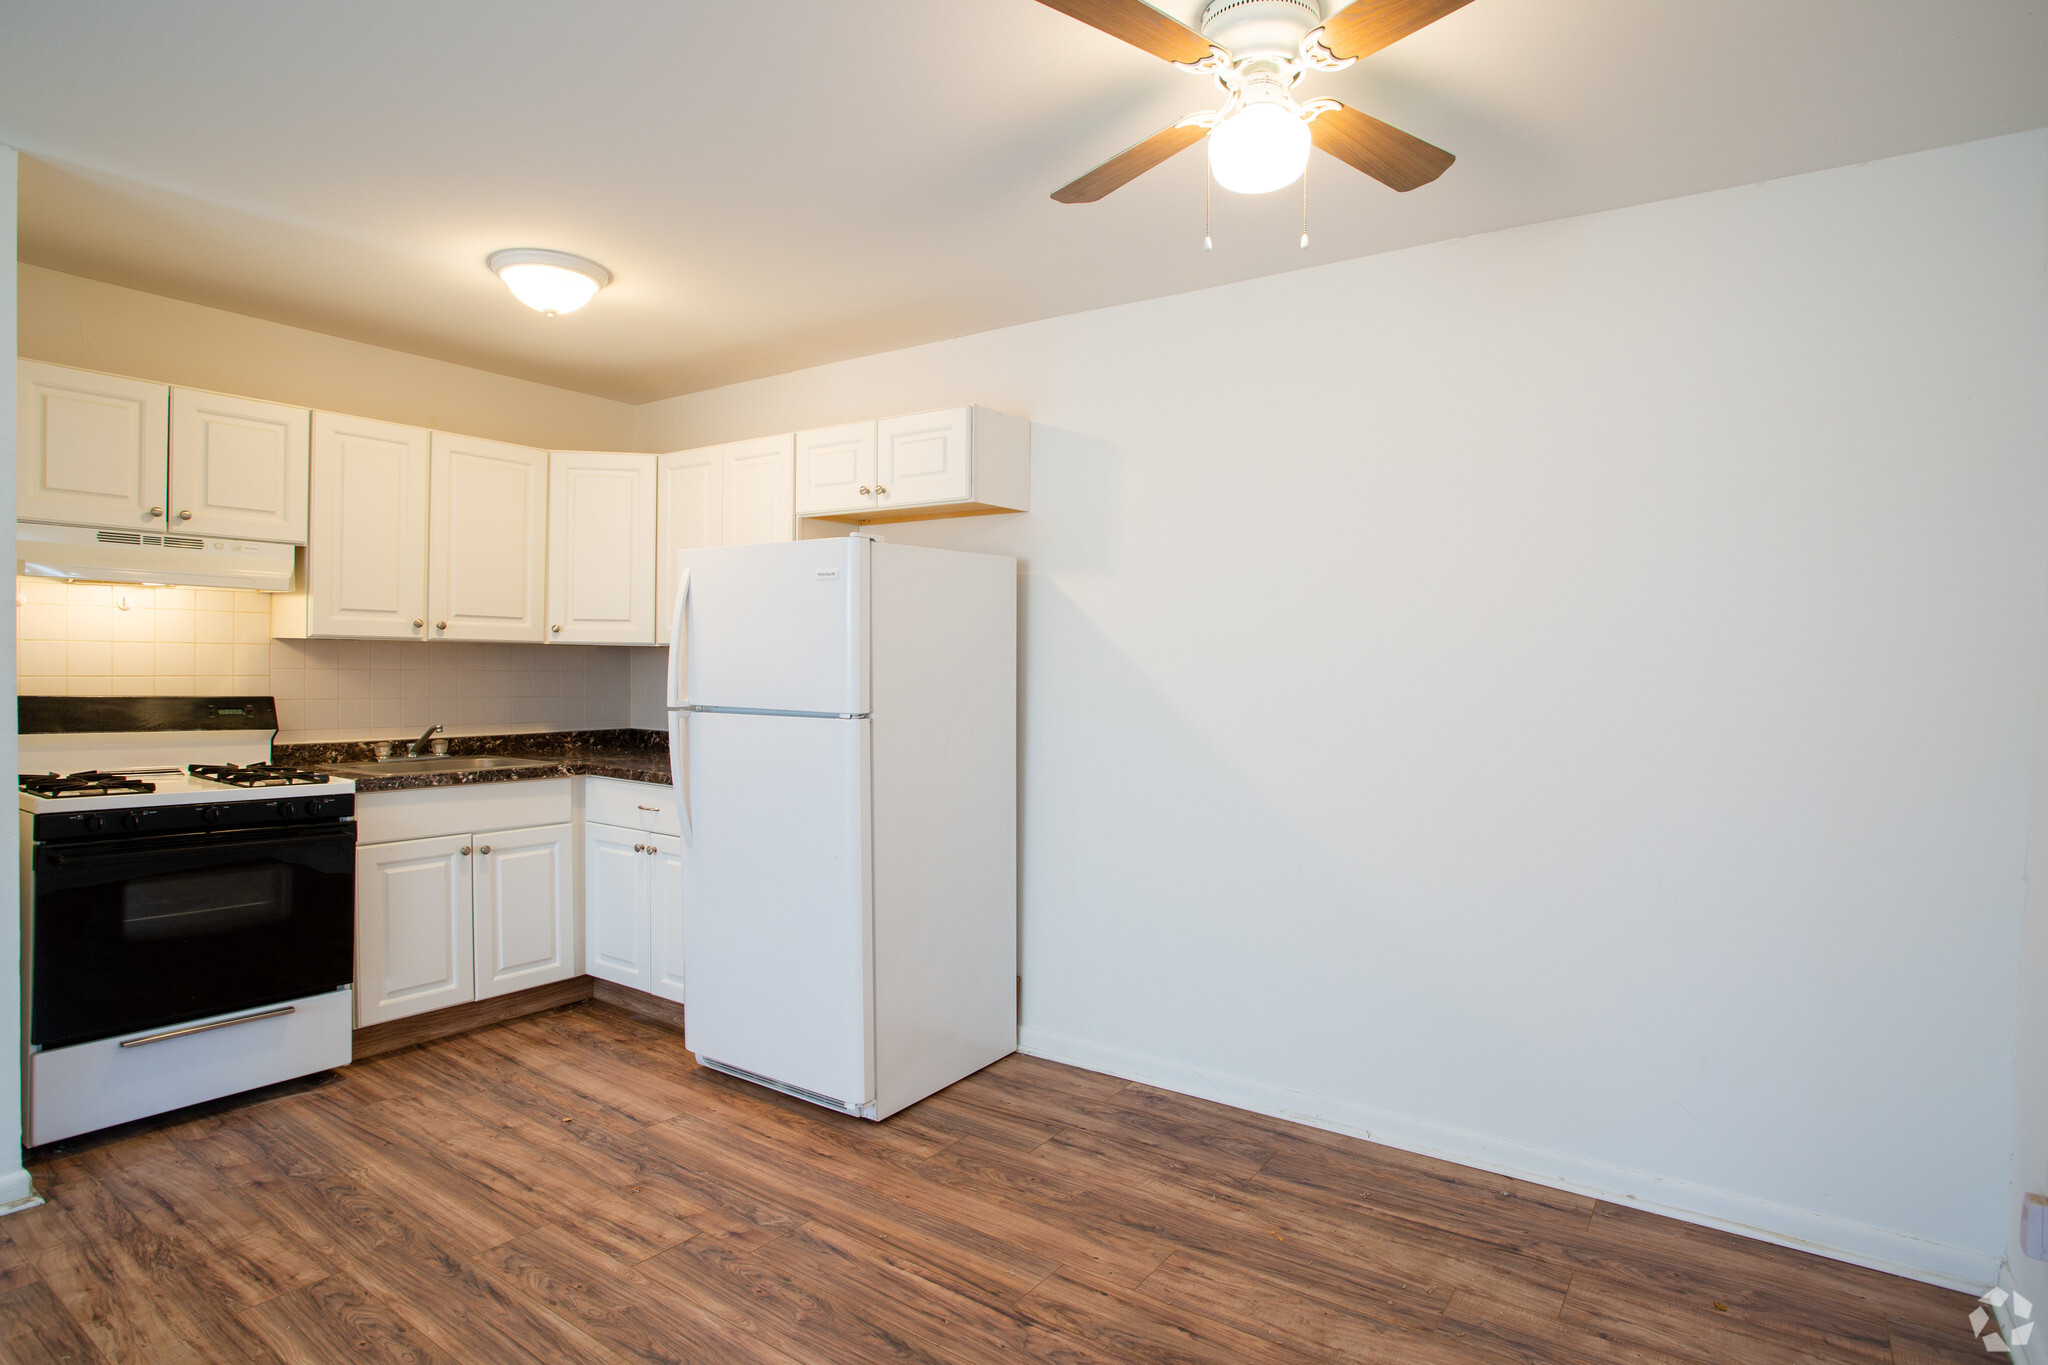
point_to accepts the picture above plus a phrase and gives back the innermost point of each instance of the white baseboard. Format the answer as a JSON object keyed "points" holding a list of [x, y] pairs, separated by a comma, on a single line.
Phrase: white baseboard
{"points": [[1840, 1239], [17, 1192], [2035, 1352]]}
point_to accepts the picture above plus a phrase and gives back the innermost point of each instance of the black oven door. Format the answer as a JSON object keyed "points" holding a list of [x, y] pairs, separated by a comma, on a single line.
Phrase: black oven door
{"points": [[133, 934]]}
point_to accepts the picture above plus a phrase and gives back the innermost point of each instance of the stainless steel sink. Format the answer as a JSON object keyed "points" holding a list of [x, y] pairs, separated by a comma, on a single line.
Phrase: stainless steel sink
{"points": [[465, 763]]}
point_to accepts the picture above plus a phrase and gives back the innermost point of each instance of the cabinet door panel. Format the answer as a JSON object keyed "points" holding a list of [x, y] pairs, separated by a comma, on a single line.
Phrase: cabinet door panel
{"points": [[665, 906], [923, 459], [413, 945], [760, 490], [691, 492], [238, 467], [525, 910], [600, 548], [615, 919], [366, 556], [90, 449], [835, 469], [487, 549]]}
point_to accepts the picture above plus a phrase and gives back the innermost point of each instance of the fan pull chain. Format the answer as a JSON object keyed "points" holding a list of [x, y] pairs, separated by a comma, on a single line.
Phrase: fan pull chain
{"points": [[1208, 189], [1304, 208]]}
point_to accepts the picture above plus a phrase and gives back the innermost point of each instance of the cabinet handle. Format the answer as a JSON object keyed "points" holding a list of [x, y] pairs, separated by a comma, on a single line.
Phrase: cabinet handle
{"points": [[865, 490], [156, 511], [465, 853], [483, 848], [417, 623], [652, 850], [184, 516], [880, 491], [655, 809], [554, 630], [440, 625], [639, 848]]}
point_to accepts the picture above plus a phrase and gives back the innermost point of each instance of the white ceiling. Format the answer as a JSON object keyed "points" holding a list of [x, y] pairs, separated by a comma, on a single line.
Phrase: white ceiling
{"points": [[776, 186]]}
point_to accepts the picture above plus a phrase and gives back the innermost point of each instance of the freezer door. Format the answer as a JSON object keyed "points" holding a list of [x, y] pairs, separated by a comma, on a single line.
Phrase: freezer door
{"points": [[778, 627], [777, 890]]}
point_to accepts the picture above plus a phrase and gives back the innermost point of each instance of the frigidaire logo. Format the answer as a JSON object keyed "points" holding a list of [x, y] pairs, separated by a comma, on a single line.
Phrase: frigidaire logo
{"points": [[2022, 1313]]}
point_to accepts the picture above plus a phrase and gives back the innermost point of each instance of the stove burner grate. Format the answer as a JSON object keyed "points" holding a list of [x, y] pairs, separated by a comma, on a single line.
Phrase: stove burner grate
{"points": [[87, 783], [256, 774]]}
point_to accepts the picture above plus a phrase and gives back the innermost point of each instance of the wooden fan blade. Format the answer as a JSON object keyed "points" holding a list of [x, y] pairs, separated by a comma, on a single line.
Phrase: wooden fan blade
{"points": [[1129, 164], [1369, 25], [1138, 24], [1398, 160]]}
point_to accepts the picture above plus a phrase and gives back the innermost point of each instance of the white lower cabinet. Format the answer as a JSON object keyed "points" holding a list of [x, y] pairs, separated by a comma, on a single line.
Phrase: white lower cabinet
{"points": [[633, 909], [462, 917]]}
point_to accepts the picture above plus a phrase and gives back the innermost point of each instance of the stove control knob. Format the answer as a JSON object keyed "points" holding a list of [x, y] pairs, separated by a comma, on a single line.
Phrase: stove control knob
{"points": [[95, 823], [316, 806], [132, 820], [209, 814], [286, 810]]}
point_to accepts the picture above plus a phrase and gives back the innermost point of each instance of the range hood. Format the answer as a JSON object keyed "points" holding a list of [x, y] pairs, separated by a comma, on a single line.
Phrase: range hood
{"points": [[99, 556]]}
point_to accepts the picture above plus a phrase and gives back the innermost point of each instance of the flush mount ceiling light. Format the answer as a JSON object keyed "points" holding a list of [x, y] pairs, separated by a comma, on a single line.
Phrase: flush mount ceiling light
{"points": [[548, 282], [1257, 50]]}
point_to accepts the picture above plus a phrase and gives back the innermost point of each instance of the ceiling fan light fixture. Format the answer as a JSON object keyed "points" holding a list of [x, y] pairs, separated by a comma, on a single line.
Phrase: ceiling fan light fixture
{"points": [[1262, 147], [548, 282]]}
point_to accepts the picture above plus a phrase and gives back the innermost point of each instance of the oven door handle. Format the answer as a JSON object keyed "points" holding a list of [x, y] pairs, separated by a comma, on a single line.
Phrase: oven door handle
{"points": [[86, 853], [168, 1034]]}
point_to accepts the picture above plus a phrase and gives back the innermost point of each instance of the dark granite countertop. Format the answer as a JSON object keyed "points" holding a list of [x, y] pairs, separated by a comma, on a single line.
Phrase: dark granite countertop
{"points": [[630, 755]]}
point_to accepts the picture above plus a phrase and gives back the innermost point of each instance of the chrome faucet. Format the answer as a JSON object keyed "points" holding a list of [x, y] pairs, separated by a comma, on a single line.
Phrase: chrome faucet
{"points": [[412, 750]]}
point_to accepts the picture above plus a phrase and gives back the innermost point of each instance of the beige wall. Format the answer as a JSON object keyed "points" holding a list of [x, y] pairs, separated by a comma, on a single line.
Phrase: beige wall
{"points": [[67, 320]]}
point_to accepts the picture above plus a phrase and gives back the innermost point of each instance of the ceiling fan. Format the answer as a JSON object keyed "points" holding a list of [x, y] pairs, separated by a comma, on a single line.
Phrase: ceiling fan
{"points": [[1257, 50]]}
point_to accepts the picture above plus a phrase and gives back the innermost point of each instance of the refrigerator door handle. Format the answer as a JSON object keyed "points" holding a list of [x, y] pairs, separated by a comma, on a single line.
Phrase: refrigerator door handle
{"points": [[678, 641], [679, 762]]}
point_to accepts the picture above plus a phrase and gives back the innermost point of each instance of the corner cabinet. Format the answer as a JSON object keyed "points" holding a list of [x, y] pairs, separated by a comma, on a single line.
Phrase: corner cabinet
{"points": [[487, 508], [601, 525], [955, 462], [743, 493], [366, 549]]}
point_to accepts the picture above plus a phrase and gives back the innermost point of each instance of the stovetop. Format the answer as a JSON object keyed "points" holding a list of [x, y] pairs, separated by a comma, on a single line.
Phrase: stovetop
{"points": [[256, 774], [153, 787]]}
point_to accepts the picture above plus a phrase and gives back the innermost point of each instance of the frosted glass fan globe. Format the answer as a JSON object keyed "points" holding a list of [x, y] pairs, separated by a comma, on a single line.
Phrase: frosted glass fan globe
{"points": [[549, 282], [1261, 148]]}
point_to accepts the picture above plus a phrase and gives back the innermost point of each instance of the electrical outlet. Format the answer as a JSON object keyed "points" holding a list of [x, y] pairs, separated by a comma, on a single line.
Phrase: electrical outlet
{"points": [[2034, 1226]]}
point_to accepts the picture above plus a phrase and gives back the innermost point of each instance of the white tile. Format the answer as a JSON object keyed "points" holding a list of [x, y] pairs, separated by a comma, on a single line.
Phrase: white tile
{"points": [[251, 629], [252, 659], [415, 715], [176, 626], [388, 654], [45, 591], [287, 682], [177, 599], [41, 658], [86, 623], [322, 683], [216, 627], [323, 653], [41, 621], [90, 595], [133, 660], [291, 714], [322, 714], [213, 659], [287, 654], [251, 685], [352, 682], [388, 711], [214, 599], [91, 687], [357, 713], [136, 626], [88, 659], [216, 685], [247, 599], [169, 686], [42, 687], [356, 653], [175, 660]]}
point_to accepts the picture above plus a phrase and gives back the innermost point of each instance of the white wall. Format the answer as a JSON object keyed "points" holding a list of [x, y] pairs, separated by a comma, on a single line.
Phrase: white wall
{"points": [[2030, 1068], [1563, 698], [14, 1182]]}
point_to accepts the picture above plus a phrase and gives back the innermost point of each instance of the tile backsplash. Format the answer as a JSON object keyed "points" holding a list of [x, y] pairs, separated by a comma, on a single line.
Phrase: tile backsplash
{"points": [[96, 640]]}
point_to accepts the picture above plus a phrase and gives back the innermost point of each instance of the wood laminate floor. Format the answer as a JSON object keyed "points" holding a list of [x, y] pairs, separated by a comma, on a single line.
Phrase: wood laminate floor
{"points": [[572, 1188]]}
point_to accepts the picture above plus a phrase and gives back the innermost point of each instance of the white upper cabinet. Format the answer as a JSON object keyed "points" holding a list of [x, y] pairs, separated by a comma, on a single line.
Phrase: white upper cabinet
{"points": [[601, 516], [238, 467], [90, 449], [955, 462], [835, 470], [487, 564], [743, 493], [366, 556], [923, 459]]}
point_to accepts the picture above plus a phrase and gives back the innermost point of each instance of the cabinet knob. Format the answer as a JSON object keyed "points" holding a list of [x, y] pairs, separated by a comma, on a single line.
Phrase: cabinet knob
{"points": [[651, 850], [639, 848], [865, 490], [156, 511], [184, 516], [465, 853], [417, 623], [483, 848], [443, 625], [880, 491], [554, 630]]}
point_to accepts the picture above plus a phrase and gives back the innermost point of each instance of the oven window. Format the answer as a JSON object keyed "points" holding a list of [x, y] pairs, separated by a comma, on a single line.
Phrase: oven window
{"points": [[191, 904]]}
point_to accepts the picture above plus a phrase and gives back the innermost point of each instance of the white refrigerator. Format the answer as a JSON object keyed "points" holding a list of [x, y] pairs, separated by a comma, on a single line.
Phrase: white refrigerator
{"points": [[843, 732]]}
